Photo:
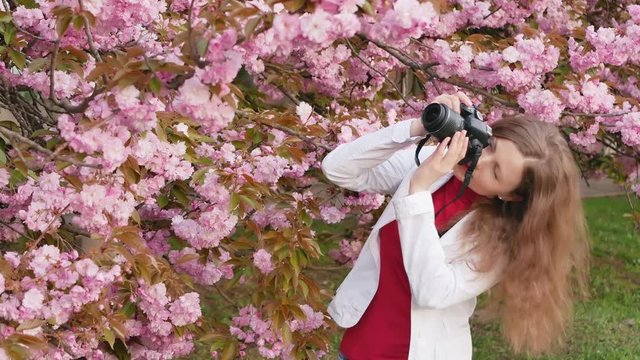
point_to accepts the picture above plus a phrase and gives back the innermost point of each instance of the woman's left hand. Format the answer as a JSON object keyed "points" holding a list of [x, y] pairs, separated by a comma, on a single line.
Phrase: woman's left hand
{"points": [[440, 162]]}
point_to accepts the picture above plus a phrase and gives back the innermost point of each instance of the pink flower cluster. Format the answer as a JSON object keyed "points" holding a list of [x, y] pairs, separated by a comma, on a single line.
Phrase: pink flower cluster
{"points": [[207, 229], [106, 145], [347, 252], [208, 273], [250, 328], [60, 285], [326, 68], [262, 260], [592, 97], [196, 101], [452, 62], [162, 158], [136, 111], [163, 313], [367, 81], [407, 18], [543, 104]]}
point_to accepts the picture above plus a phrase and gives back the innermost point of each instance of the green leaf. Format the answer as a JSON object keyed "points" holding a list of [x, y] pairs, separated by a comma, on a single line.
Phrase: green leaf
{"points": [[198, 176], [155, 85], [78, 22], [254, 135], [180, 196], [251, 26], [16, 178], [160, 132], [5, 17], [18, 58], [110, 336], [294, 5], [62, 25], [29, 4], [234, 201], [248, 201], [129, 309], [368, 9], [162, 201], [9, 34], [135, 216], [175, 243], [202, 46], [306, 218], [229, 351], [3, 157]]}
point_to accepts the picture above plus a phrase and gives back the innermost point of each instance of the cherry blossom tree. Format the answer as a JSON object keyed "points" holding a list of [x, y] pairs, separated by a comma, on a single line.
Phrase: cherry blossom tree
{"points": [[157, 153]]}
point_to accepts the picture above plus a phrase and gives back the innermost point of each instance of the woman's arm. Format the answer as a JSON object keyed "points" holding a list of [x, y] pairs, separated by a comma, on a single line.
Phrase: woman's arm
{"points": [[435, 282], [378, 161]]}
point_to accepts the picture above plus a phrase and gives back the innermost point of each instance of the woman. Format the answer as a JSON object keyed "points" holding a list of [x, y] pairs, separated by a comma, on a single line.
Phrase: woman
{"points": [[519, 229]]}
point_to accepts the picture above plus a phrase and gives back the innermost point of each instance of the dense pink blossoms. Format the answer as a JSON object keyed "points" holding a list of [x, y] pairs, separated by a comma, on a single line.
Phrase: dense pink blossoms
{"points": [[175, 146]]}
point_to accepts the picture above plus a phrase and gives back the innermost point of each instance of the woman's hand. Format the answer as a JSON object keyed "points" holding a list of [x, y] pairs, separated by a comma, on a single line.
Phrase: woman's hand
{"points": [[440, 162], [453, 101]]}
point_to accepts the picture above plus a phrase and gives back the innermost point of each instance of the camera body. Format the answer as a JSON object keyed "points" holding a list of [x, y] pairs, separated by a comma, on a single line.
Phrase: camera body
{"points": [[441, 122]]}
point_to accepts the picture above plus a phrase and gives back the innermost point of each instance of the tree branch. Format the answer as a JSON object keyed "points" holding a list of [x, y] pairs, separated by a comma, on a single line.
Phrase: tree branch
{"points": [[296, 134], [192, 45], [353, 50], [568, 113], [10, 226], [414, 65], [25, 140], [87, 31]]}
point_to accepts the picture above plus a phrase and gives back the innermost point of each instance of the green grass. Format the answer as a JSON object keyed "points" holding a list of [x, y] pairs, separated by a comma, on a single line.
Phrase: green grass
{"points": [[607, 326]]}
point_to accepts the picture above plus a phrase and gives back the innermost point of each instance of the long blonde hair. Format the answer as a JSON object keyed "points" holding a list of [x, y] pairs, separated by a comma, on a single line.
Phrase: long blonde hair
{"points": [[543, 239]]}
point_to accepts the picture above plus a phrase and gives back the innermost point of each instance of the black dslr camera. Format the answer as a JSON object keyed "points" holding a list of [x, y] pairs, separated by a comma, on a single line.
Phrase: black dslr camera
{"points": [[440, 122]]}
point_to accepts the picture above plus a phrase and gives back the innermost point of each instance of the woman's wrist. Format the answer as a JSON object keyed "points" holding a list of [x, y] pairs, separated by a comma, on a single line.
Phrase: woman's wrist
{"points": [[420, 184], [417, 129]]}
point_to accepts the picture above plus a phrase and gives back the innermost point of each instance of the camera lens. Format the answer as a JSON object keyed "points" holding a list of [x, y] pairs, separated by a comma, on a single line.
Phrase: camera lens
{"points": [[440, 121]]}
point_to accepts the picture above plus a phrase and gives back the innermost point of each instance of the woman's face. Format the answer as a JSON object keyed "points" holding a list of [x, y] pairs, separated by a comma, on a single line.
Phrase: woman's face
{"points": [[499, 170]]}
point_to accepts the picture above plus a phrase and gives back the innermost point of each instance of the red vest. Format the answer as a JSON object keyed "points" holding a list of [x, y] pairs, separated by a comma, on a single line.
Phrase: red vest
{"points": [[384, 330]]}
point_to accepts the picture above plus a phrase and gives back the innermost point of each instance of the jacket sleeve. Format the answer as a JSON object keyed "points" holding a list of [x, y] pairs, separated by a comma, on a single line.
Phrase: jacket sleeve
{"points": [[434, 281], [375, 162]]}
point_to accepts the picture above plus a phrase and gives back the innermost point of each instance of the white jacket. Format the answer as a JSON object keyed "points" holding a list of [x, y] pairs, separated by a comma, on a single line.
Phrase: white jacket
{"points": [[443, 286]]}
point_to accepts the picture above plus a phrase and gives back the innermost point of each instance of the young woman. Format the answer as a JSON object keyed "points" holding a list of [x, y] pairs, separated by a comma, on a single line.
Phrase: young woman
{"points": [[519, 229]]}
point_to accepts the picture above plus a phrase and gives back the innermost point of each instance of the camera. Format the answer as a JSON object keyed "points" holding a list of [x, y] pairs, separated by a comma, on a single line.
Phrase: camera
{"points": [[441, 122]]}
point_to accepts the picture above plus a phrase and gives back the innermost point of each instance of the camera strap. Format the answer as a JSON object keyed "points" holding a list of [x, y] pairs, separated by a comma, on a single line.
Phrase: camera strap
{"points": [[477, 151], [420, 145]]}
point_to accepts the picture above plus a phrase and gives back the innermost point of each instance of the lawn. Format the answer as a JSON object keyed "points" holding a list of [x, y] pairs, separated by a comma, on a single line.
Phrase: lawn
{"points": [[607, 325]]}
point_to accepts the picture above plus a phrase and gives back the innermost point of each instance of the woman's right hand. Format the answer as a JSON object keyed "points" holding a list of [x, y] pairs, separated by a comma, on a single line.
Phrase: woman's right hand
{"points": [[453, 101]]}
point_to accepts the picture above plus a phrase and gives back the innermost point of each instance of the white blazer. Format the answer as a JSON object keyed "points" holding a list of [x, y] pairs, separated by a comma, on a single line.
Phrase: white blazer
{"points": [[443, 286]]}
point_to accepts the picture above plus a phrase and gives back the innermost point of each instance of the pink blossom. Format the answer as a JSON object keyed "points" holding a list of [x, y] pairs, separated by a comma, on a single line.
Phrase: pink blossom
{"points": [[347, 252], [163, 158], [262, 260], [4, 177], [452, 62], [185, 309], [33, 299], [542, 104], [269, 169], [209, 110], [316, 27], [304, 110], [44, 258], [332, 214], [335, 6], [314, 320]]}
